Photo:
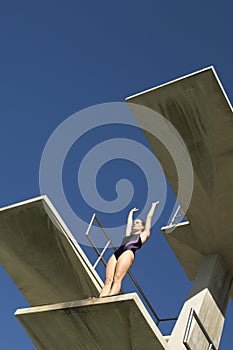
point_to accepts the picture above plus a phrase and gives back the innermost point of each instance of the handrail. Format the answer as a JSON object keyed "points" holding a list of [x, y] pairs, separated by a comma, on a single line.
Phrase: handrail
{"points": [[176, 216]]}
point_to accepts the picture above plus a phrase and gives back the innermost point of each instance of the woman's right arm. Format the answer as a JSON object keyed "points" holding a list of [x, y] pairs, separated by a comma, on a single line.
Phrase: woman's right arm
{"points": [[130, 222]]}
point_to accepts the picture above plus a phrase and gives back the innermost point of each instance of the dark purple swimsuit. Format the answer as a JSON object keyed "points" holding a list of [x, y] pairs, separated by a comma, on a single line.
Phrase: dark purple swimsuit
{"points": [[132, 242]]}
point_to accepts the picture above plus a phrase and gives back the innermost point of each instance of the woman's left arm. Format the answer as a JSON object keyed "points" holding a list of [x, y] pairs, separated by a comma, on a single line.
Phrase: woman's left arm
{"points": [[146, 233]]}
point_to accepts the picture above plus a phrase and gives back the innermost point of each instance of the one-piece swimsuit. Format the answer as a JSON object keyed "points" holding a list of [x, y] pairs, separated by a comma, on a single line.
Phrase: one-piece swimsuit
{"points": [[132, 242]]}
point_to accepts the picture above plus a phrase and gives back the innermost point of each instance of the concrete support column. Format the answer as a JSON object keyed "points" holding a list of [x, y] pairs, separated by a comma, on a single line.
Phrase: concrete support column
{"points": [[208, 297]]}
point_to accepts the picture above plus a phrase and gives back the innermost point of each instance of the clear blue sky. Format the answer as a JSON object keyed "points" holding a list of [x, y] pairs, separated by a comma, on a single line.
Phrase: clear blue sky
{"points": [[58, 57]]}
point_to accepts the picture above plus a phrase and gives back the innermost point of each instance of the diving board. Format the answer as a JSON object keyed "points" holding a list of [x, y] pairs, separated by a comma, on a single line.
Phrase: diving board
{"points": [[42, 257], [117, 322], [198, 108]]}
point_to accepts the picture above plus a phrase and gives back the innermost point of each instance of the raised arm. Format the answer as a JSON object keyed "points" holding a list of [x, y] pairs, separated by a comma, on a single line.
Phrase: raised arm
{"points": [[130, 222], [146, 233]]}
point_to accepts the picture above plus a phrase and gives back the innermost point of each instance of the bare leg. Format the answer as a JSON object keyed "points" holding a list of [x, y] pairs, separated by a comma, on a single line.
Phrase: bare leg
{"points": [[110, 270], [123, 264]]}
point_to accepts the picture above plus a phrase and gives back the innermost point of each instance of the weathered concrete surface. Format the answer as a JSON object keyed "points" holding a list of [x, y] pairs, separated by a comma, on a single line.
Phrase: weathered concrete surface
{"points": [[199, 110], [118, 322], [185, 247], [42, 257], [208, 297]]}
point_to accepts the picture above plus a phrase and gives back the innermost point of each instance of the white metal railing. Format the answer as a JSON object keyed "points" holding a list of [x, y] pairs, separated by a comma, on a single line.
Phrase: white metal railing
{"points": [[188, 327], [176, 216]]}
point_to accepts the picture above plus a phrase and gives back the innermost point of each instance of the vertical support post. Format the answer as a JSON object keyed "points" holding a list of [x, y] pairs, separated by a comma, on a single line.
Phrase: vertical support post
{"points": [[208, 297]]}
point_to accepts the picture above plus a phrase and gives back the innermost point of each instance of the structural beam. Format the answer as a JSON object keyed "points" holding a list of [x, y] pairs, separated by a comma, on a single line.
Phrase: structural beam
{"points": [[208, 297]]}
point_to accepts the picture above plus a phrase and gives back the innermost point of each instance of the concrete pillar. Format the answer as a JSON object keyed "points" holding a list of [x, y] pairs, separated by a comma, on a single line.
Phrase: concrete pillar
{"points": [[208, 297]]}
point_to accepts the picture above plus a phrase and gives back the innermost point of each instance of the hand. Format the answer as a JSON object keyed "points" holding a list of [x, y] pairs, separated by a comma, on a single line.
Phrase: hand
{"points": [[133, 210], [155, 203]]}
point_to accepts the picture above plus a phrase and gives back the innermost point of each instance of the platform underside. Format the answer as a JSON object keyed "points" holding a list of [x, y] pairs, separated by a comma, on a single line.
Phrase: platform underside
{"points": [[42, 257], [119, 322]]}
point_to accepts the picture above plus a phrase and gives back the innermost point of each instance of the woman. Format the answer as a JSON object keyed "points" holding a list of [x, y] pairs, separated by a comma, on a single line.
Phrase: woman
{"points": [[137, 233]]}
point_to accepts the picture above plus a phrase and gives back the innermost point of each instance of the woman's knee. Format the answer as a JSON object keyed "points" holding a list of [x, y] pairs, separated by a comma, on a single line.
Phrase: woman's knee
{"points": [[108, 280], [117, 278]]}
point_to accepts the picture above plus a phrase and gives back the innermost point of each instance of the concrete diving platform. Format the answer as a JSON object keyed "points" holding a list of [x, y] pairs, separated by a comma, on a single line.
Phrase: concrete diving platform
{"points": [[116, 323], [196, 106], [42, 257], [194, 112]]}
